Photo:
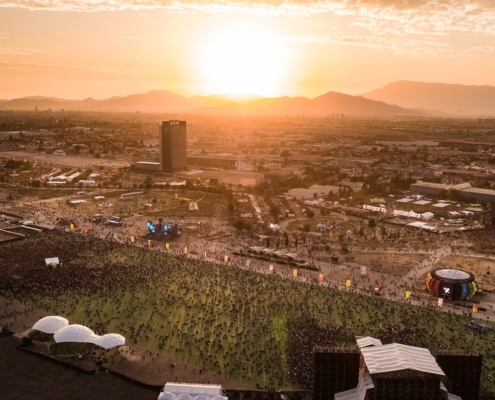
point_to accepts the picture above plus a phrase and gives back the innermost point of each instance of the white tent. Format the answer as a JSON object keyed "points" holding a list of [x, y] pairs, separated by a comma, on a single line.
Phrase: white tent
{"points": [[50, 324], [75, 334], [110, 340], [52, 261], [183, 396], [201, 397], [166, 396]]}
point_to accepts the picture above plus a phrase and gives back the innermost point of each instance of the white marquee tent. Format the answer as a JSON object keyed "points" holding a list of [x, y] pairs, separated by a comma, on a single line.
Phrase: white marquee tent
{"points": [[75, 334], [50, 324], [110, 340]]}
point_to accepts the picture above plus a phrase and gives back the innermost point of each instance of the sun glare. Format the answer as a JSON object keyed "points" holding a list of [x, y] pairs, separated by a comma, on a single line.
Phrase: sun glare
{"points": [[242, 62]]}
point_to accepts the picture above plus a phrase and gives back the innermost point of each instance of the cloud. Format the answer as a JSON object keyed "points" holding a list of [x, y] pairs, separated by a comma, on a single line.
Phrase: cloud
{"points": [[16, 51], [408, 16], [469, 6], [68, 67], [407, 27], [412, 47], [147, 37]]}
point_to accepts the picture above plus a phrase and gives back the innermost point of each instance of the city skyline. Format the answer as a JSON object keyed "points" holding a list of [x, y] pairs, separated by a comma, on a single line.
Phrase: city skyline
{"points": [[101, 49]]}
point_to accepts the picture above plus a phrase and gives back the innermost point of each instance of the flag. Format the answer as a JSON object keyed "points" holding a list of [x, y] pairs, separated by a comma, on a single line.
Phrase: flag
{"points": [[167, 246], [363, 270], [71, 227], [440, 302], [271, 267], [347, 282], [475, 307], [320, 278], [408, 294], [225, 258], [185, 250], [295, 272], [132, 239], [149, 243]]}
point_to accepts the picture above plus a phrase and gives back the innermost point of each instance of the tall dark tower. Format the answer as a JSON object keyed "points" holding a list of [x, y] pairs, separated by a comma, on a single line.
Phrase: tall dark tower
{"points": [[172, 135]]}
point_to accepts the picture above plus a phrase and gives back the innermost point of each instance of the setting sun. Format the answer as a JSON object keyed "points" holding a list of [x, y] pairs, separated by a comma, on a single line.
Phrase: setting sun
{"points": [[242, 62]]}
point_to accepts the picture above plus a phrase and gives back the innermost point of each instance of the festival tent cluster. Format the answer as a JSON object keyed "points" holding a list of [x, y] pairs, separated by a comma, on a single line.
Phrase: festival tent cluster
{"points": [[65, 333]]}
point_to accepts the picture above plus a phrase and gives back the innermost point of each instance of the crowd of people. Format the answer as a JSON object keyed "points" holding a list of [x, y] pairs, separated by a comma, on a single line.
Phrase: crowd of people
{"points": [[228, 319], [223, 316]]}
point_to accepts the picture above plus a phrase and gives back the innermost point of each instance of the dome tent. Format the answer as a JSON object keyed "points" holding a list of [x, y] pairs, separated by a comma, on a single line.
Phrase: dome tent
{"points": [[110, 340], [75, 334], [50, 324]]}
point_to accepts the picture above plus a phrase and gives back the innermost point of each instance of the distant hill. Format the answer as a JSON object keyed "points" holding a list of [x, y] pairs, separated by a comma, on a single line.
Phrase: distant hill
{"points": [[452, 99], [329, 103], [164, 101]]}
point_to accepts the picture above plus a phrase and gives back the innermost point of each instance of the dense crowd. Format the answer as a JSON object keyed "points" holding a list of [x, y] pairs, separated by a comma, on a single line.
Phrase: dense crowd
{"points": [[255, 328]]}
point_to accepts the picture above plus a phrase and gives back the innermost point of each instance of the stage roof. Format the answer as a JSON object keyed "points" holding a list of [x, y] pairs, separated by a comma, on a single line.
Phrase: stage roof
{"points": [[368, 341], [397, 357]]}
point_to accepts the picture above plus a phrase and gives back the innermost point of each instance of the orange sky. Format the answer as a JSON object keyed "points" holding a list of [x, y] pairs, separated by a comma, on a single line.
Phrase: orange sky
{"points": [[100, 48]]}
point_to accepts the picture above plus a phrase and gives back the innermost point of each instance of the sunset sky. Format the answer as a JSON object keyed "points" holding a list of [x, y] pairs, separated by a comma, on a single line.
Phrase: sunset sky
{"points": [[101, 48]]}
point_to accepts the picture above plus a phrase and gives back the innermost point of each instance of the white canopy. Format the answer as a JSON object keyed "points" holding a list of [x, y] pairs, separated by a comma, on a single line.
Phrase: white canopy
{"points": [[183, 396], [50, 324], [75, 334], [110, 340], [396, 357], [166, 396], [52, 261]]}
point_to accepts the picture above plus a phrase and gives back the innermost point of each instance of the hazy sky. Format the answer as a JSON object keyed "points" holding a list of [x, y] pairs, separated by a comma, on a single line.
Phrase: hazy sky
{"points": [[100, 48]]}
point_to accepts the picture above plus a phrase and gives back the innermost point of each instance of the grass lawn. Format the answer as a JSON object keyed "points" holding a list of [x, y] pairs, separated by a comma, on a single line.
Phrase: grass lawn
{"points": [[234, 322]]}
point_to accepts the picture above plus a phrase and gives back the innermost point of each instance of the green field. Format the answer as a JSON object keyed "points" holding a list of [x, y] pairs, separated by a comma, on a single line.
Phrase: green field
{"points": [[241, 324]]}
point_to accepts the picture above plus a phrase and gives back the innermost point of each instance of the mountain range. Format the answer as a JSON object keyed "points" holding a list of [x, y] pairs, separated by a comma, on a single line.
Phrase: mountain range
{"points": [[448, 98], [398, 98]]}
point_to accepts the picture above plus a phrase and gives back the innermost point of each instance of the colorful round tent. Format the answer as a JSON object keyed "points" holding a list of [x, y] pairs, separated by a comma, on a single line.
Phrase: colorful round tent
{"points": [[451, 284]]}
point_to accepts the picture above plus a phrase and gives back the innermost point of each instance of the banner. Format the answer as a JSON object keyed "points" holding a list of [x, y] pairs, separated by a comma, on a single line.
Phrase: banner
{"points": [[271, 267], [363, 270], [440, 302], [295, 272], [167, 246], [475, 307], [408, 294], [225, 258], [377, 289], [71, 227], [185, 250], [132, 239], [347, 283], [248, 262], [320, 278]]}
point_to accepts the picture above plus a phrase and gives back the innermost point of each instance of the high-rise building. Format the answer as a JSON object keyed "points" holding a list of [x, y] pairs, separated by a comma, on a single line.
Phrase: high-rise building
{"points": [[172, 136]]}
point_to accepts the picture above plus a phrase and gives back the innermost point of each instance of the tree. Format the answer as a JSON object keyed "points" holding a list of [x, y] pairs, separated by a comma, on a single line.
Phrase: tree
{"points": [[36, 183], [310, 213], [372, 223], [240, 224], [148, 183]]}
